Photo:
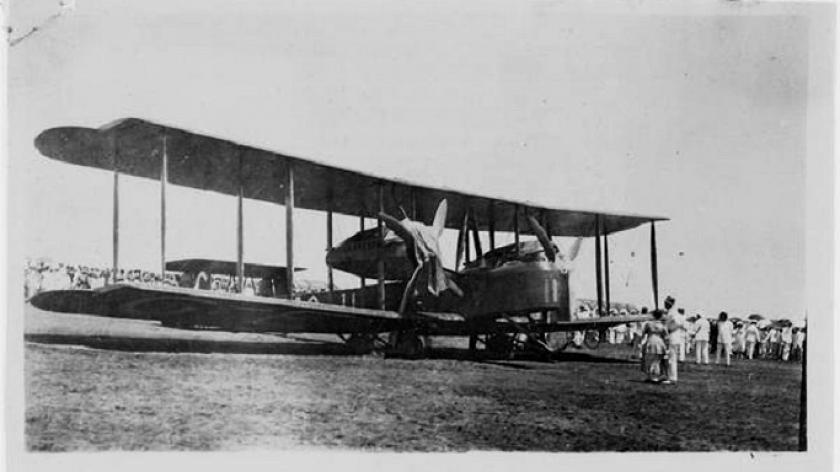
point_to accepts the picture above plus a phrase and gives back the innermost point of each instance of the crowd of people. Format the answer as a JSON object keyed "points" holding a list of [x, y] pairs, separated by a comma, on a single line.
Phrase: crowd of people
{"points": [[669, 339], [42, 276]]}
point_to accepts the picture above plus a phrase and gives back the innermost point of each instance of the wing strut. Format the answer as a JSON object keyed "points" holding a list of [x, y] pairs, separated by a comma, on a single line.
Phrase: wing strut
{"points": [[115, 224], [467, 248], [607, 266], [362, 282], [654, 271], [164, 175], [476, 236], [491, 224], [516, 228], [290, 229], [380, 263], [599, 281], [330, 279], [240, 227]]}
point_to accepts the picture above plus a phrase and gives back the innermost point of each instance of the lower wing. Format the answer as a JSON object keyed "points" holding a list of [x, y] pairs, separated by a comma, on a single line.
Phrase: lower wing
{"points": [[192, 308]]}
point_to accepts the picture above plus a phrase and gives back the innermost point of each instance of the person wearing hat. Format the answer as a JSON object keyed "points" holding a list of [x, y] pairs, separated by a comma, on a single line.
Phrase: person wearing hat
{"points": [[798, 343], [682, 335], [724, 338], [787, 340], [637, 341], [654, 349], [740, 348], [775, 341], [675, 323], [751, 337], [688, 334], [701, 332]]}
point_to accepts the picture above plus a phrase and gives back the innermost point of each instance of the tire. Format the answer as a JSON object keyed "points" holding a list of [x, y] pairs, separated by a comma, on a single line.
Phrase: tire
{"points": [[360, 343], [592, 339], [501, 345], [406, 345]]}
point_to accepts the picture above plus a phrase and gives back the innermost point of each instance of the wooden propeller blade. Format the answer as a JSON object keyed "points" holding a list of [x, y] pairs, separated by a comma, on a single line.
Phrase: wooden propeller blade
{"points": [[573, 252], [397, 227], [439, 223], [545, 241]]}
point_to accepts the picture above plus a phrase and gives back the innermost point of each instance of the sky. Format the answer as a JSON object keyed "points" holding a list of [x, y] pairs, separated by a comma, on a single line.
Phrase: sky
{"points": [[702, 118]]}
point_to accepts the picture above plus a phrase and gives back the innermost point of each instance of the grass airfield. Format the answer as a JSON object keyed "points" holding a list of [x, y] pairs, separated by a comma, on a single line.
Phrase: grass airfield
{"points": [[105, 384]]}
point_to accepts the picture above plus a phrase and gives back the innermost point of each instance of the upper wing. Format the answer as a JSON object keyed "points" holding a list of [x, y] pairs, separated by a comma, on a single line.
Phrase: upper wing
{"points": [[199, 308], [133, 146]]}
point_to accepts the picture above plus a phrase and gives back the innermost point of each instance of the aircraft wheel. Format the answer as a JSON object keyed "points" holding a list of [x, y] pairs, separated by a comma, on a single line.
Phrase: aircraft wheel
{"points": [[501, 345], [558, 341], [592, 339], [409, 345], [360, 343]]}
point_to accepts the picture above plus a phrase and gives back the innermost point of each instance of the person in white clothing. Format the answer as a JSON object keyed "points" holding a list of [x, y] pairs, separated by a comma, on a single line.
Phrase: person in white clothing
{"points": [[675, 323], [774, 343], [724, 339], [751, 337], [787, 340], [689, 334], [701, 339], [798, 343]]}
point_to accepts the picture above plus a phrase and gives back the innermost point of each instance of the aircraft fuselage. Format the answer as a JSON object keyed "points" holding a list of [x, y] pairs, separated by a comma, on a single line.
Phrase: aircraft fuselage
{"points": [[507, 280]]}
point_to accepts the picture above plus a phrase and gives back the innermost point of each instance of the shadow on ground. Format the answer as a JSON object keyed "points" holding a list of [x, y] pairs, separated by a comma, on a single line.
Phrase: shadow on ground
{"points": [[291, 345]]}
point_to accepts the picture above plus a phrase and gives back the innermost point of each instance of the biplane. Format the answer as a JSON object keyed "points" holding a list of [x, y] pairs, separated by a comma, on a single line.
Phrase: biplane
{"points": [[496, 297]]}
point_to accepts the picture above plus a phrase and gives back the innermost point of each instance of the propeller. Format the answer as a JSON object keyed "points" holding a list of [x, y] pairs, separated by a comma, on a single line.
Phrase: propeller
{"points": [[400, 230], [423, 249], [541, 234]]}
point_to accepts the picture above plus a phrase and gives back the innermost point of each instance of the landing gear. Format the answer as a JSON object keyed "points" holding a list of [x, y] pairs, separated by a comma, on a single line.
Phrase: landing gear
{"points": [[592, 339], [407, 344], [360, 343], [473, 346], [501, 345], [558, 341]]}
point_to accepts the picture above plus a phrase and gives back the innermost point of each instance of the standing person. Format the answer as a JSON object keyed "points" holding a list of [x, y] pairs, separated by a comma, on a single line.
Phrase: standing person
{"points": [[787, 340], [794, 349], [713, 335], [682, 335], [724, 338], [701, 339], [654, 348], [798, 343], [582, 314], [775, 339], [763, 342], [637, 341], [751, 337], [675, 323], [34, 280], [740, 349], [689, 335]]}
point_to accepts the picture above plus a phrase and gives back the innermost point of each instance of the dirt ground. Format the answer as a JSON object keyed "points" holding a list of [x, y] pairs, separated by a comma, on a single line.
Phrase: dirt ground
{"points": [[102, 384]]}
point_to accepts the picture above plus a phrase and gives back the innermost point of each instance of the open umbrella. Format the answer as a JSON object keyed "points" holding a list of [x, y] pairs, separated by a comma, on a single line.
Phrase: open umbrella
{"points": [[783, 323], [756, 317]]}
